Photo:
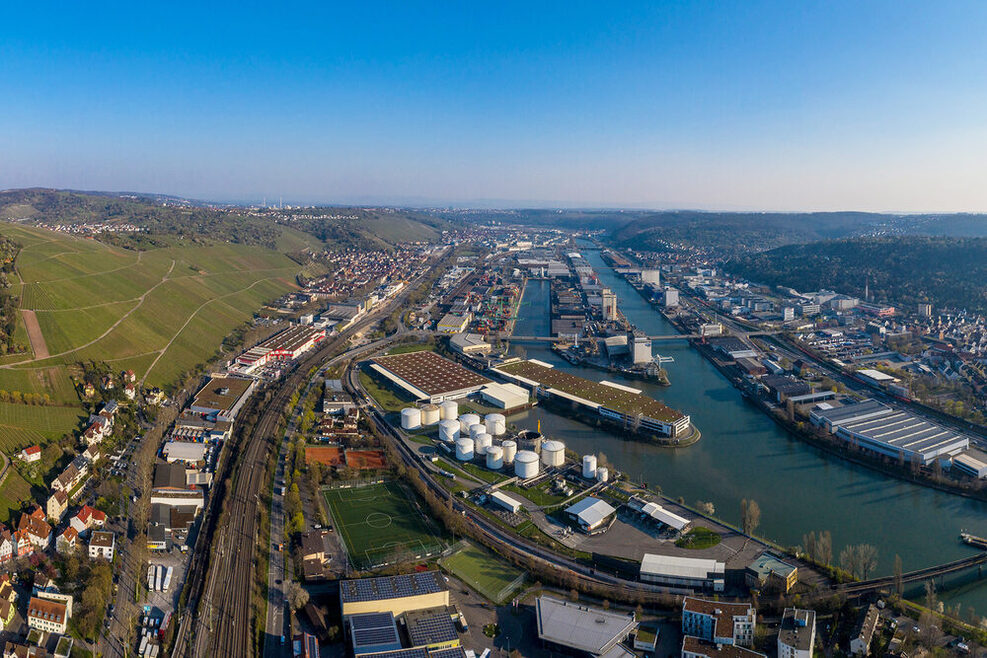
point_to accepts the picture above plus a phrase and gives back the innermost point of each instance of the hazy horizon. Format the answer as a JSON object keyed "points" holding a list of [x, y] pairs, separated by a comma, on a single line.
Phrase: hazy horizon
{"points": [[763, 106]]}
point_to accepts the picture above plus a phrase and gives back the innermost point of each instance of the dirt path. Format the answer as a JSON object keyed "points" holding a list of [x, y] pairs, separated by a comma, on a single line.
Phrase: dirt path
{"points": [[34, 333]]}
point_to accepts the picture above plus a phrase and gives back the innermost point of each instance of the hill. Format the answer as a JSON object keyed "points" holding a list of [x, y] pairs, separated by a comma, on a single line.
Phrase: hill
{"points": [[732, 233], [949, 272]]}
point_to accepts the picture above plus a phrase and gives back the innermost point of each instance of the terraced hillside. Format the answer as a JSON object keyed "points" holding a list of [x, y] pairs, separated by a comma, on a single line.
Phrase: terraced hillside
{"points": [[158, 312]]}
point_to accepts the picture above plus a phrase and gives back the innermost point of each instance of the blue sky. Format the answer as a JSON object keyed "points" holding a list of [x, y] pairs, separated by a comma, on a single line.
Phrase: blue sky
{"points": [[719, 105]]}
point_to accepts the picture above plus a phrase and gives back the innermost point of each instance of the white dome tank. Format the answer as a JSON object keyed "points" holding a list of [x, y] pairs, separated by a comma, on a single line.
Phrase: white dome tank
{"points": [[496, 424], [476, 429], [553, 453], [449, 410], [510, 449], [589, 467], [481, 443], [602, 474], [430, 414], [448, 430], [411, 418], [495, 458], [466, 421], [464, 450], [526, 464]]}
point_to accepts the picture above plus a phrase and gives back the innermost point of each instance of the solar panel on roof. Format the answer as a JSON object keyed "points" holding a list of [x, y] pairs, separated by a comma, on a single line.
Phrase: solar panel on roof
{"points": [[374, 636], [371, 620], [432, 630]]}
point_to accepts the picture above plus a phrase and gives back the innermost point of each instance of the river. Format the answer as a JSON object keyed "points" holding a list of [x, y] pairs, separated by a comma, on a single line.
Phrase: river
{"points": [[743, 454]]}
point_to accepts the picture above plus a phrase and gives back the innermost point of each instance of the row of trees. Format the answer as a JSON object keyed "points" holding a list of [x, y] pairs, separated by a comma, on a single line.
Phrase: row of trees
{"points": [[33, 399]]}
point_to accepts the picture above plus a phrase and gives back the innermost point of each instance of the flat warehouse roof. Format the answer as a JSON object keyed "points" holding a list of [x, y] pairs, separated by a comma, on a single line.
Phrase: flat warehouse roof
{"points": [[618, 399], [681, 567], [221, 393], [588, 629], [430, 373], [904, 430]]}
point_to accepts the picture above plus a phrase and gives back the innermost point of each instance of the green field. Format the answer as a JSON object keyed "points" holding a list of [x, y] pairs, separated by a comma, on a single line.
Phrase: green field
{"points": [[381, 525], [488, 574], [159, 312]]}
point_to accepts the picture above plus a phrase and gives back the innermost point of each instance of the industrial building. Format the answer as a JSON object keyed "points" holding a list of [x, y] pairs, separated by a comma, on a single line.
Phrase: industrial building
{"points": [[453, 324], [283, 346], [719, 622], [581, 629], [972, 463], [393, 594], [372, 632], [429, 377], [732, 347], [469, 344], [676, 571], [614, 402], [592, 514], [797, 635], [769, 572], [657, 513], [184, 451], [504, 396], [222, 397], [891, 432]]}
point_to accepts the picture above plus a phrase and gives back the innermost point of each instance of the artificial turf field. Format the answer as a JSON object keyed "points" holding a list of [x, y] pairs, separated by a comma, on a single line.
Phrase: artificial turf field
{"points": [[489, 575], [381, 524]]}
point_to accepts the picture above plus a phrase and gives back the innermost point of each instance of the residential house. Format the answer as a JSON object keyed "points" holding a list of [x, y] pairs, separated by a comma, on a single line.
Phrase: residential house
{"points": [[88, 390], [86, 519], [33, 529], [102, 545], [8, 601], [67, 541], [18, 650], [48, 616], [719, 622], [30, 454], [797, 634], [129, 376], [7, 546], [130, 391], [693, 647], [73, 474], [57, 504], [860, 640]]}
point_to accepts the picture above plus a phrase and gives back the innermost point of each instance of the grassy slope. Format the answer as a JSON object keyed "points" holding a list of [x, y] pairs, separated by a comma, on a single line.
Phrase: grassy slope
{"points": [[173, 307]]}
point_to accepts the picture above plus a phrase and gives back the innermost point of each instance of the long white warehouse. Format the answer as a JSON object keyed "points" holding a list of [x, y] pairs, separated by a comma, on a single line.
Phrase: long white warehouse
{"points": [[675, 571]]}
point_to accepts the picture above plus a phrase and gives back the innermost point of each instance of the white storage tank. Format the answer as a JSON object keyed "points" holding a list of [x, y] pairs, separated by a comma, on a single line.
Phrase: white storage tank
{"points": [[589, 467], [602, 474], [448, 430], [553, 453], [411, 418], [495, 458], [510, 449], [449, 410], [430, 414], [496, 424], [466, 421], [526, 464], [476, 429], [464, 450], [481, 443]]}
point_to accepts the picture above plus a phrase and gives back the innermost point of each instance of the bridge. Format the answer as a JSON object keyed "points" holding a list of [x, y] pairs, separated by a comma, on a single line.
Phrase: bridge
{"points": [[551, 339], [927, 573]]}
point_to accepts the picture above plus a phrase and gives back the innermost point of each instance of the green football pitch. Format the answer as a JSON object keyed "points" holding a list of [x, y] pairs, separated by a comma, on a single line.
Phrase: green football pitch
{"points": [[382, 524], [488, 574]]}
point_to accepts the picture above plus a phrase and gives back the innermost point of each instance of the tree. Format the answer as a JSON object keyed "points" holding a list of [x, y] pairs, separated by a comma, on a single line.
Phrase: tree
{"points": [[706, 507], [750, 516], [297, 596], [859, 560]]}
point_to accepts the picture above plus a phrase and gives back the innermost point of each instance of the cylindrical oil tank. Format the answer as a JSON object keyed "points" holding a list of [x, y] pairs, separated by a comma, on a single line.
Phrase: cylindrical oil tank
{"points": [[430, 414], [602, 474], [449, 410], [589, 467], [481, 443], [525, 464], [464, 450], [529, 440], [495, 458], [476, 429], [510, 449], [553, 453], [496, 424], [411, 418], [466, 421], [448, 430]]}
